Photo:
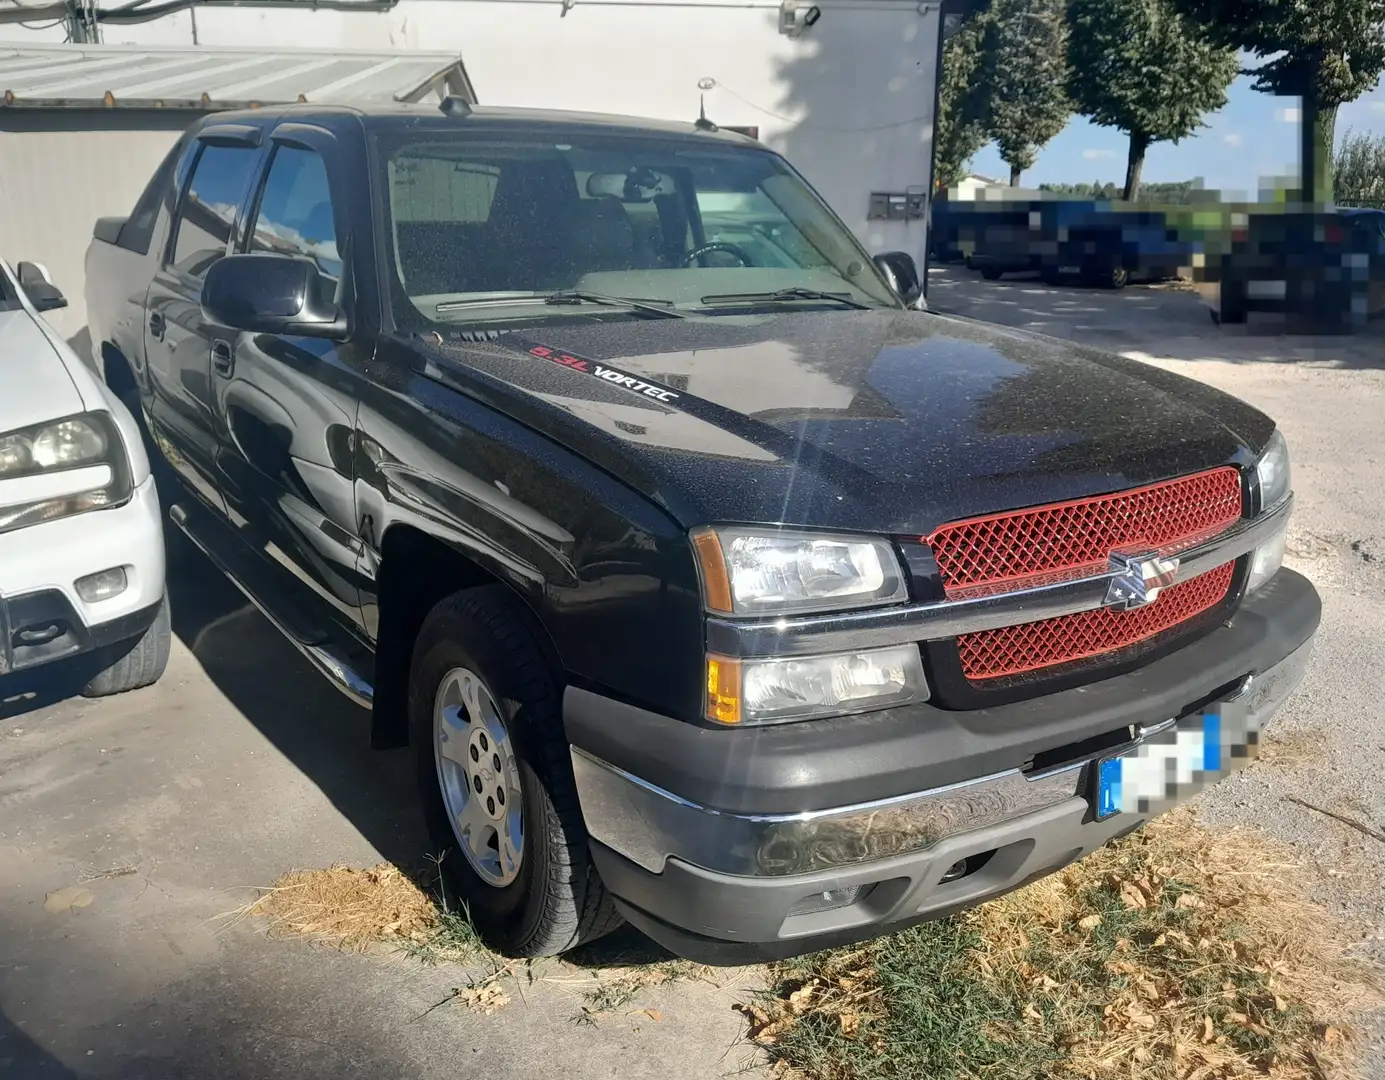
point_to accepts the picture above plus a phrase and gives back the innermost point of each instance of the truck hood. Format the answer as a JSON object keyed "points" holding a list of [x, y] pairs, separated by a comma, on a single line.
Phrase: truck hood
{"points": [[887, 421], [34, 382]]}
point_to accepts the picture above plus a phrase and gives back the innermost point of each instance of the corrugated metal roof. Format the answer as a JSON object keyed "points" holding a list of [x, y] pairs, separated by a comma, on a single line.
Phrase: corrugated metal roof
{"points": [[130, 76]]}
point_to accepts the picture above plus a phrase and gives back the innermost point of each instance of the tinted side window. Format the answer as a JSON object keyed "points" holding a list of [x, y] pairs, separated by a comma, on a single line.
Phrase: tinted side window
{"points": [[295, 212], [139, 227], [208, 209]]}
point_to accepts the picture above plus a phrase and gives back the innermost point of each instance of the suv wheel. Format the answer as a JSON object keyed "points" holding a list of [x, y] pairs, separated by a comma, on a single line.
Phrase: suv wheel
{"points": [[485, 720], [141, 664]]}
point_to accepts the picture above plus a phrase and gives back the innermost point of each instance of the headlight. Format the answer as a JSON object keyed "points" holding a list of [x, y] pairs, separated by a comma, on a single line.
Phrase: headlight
{"points": [[1273, 478], [775, 691], [764, 572], [1266, 560], [1272, 471], [67, 445]]}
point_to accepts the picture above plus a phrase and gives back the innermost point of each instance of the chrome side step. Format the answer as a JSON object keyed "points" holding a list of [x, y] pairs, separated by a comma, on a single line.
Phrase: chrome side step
{"points": [[334, 654]]}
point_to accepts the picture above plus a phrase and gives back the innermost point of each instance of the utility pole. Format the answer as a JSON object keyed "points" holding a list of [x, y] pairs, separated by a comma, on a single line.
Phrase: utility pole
{"points": [[82, 27]]}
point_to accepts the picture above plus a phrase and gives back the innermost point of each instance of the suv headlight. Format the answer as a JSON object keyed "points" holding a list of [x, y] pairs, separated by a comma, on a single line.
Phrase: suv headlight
{"points": [[1272, 472], [88, 446], [1273, 479], [773, 691], [772, 572]]}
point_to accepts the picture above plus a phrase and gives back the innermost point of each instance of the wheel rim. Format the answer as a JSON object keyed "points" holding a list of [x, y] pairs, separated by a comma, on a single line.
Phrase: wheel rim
{"points": [[478, 777]]}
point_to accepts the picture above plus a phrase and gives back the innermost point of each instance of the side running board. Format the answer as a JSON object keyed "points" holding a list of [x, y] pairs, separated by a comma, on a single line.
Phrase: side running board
{"points": [[332, 649]]}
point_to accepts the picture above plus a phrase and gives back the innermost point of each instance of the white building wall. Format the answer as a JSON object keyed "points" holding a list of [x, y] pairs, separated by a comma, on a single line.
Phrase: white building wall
{"points": [[55, 184]]}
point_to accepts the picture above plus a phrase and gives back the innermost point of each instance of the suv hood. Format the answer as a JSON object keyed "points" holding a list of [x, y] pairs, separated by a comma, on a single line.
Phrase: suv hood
{"points": [[34, 383], [885, 421]]}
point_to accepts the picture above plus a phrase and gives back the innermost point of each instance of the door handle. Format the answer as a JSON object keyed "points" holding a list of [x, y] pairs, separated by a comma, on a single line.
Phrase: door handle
{"points": [[223, 359], [156, 326]]}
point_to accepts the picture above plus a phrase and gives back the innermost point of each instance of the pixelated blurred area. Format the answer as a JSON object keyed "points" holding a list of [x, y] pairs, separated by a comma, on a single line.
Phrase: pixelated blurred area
{"points": [[1321, 268]]}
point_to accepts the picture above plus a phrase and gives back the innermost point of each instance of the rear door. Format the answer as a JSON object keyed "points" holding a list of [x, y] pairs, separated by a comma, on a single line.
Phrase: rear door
{"points": [[177, 339], [285, 405]]}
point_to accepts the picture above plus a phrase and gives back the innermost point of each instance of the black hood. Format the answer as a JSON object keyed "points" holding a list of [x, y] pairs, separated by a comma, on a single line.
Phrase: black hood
{"points": [[884, 421]]}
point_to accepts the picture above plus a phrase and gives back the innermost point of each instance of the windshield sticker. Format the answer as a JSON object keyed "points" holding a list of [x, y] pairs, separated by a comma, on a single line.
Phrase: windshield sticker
{"points": [[612, 375]]}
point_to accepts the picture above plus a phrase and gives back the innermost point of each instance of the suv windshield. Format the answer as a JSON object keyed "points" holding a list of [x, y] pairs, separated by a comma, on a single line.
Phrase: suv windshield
{"points": [[491, 228]]}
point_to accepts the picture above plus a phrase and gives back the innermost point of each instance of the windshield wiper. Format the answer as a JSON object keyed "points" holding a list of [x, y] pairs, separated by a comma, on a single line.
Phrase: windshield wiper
{"points": [[647, 307], [564, 296], [780, 295]]}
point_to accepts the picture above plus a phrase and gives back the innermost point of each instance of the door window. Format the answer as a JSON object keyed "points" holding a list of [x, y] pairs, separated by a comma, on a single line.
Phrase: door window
{"points": [[295, 212], [208, 210]]}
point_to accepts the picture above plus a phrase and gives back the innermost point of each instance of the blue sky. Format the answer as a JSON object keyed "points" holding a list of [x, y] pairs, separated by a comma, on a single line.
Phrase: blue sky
{"points": [[1254, 136]]}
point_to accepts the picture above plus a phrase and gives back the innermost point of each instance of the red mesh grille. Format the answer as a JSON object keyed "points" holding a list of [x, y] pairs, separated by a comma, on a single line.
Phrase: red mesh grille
{"points": [[1014, 650], [1063, 537]]}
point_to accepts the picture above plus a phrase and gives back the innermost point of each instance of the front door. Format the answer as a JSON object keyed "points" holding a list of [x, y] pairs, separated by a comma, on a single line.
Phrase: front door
{"points": [[177, 341], [286, 404]]}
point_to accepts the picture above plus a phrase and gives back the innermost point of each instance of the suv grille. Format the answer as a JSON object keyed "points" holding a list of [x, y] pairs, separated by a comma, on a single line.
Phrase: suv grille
{"points": [[1072, 539], [1080, 535], [1014, 650]]}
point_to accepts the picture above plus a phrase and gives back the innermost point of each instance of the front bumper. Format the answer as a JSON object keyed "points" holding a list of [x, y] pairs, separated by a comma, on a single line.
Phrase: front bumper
{"points": [[720, 879], [42, 618]]}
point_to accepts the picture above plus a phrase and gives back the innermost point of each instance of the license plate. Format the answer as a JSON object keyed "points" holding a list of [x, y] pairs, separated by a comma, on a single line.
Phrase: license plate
{"points": [[1069, 269], [1171, 765]]}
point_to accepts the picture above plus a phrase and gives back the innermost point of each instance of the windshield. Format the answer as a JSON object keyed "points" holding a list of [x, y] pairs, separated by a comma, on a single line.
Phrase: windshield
{"points": [[489, 228]]}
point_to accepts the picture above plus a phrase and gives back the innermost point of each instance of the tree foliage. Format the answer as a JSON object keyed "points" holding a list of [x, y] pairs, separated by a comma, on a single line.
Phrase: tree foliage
{"points": [[1025, 69], [1140, 67], [1328, 52], [1334, 47], [960, 130], [1360, 168]]}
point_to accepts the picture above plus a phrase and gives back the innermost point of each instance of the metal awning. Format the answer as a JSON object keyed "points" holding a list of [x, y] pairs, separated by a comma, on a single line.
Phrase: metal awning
{"points": [[141, 76]]}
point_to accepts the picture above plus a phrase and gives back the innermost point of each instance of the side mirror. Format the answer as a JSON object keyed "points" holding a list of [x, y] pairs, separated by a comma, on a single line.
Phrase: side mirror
{"points": [[271, 294], [38, 286], [902, 273]]}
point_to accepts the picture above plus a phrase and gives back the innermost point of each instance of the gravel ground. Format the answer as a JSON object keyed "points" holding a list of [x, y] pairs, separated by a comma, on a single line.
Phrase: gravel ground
{"points": [[1328, 396]]}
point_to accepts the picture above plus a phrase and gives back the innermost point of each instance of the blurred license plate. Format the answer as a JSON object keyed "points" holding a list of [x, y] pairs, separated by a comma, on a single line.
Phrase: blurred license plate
{"points": [[1069, 269], [1175, 763]]}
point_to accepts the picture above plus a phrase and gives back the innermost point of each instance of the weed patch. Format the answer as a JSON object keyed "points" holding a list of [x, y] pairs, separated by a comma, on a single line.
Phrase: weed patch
{"points": [[1173, 954]]}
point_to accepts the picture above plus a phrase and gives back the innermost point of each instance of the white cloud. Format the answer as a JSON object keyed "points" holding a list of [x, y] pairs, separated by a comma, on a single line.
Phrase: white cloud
{"points": [[1233, 140], [1097, 155], [1288, 116]]}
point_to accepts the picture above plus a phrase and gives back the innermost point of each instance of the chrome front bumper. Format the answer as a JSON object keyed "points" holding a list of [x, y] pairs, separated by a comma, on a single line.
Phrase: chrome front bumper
{"points": [[649, 825]]}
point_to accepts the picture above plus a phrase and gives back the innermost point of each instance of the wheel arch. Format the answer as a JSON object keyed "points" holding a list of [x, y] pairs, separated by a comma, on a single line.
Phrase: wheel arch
{"points": [[417, 570]]}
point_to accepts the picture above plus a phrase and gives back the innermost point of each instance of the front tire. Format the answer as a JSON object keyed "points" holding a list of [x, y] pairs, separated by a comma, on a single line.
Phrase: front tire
{"points": [[141, 664], [481, 692], [991, 273]]}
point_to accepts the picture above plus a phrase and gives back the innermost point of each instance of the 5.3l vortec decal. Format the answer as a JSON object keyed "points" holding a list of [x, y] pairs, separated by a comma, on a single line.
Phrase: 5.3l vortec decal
{"points": [[610, 374]]}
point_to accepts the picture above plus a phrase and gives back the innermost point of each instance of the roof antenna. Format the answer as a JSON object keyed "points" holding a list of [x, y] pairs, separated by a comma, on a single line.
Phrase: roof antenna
{"points": [[455, 105], [702, 123]]}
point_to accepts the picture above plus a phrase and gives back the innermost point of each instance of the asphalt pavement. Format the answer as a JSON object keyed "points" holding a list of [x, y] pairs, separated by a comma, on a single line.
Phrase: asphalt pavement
{"points": [[131, 828]]}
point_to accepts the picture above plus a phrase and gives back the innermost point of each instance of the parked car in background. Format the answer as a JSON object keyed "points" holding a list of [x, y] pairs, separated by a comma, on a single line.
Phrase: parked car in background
{"points": [[81, 543], [1066, 240], [716, 586], [1325, 269]]}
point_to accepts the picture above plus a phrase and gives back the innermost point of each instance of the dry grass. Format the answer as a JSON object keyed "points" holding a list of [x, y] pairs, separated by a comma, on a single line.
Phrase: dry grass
{"points": [[350, 908], [1293, 748], [1171, 955]]}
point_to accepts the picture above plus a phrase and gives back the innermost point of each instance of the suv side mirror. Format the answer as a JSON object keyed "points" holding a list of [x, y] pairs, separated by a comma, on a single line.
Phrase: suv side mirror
{"points": [[271, 294], [902, 273], [38, 287]]}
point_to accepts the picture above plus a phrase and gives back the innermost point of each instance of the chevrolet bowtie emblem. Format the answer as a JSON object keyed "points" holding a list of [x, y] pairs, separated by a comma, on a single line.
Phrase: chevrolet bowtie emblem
{"points": [[1139, 579]]}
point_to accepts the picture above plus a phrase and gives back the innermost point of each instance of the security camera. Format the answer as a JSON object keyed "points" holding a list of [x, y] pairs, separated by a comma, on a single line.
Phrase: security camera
{"points": [[794, 19]]}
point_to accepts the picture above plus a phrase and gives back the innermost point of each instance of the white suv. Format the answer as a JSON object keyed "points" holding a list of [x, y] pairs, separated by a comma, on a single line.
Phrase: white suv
{"points": [[81, 537]]}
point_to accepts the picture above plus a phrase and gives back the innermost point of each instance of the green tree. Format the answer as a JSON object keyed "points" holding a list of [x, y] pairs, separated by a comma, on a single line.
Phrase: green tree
{"points": [[962, 102], [1359, 168], [1327, 52], [1139, 67], [1025, 70]]}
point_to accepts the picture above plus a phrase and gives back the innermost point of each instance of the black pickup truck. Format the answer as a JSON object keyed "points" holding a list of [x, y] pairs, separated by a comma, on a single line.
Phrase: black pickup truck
{"points": [[716, 584]]}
